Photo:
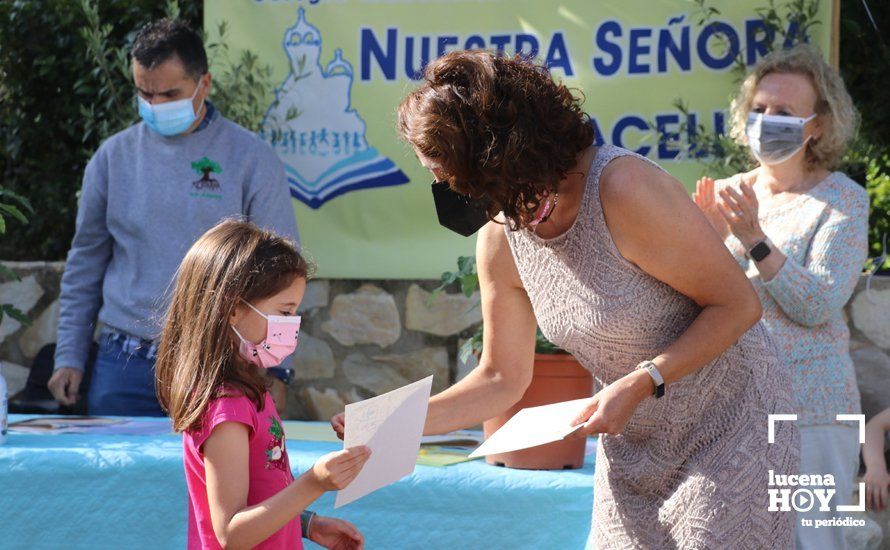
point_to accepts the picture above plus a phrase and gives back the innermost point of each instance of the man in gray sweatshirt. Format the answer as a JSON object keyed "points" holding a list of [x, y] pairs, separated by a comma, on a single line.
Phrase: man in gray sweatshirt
{"points": [[148, 193]]}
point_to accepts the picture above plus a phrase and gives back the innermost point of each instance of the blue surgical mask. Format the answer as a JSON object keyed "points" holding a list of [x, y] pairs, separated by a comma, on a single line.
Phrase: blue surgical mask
{"points": [[171, 118]]}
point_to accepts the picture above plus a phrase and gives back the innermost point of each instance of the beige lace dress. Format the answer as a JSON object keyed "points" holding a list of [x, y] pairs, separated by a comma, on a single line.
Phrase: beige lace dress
{"points": [[691, 468]]}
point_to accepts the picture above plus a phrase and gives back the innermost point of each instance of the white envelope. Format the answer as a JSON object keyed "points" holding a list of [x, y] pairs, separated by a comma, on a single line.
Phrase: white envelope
{"points": [[391, 426], [534, 426]]}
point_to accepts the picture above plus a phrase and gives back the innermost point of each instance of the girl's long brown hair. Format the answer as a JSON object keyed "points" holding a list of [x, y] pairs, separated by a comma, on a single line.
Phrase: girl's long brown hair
{"points": [[198, 353]]}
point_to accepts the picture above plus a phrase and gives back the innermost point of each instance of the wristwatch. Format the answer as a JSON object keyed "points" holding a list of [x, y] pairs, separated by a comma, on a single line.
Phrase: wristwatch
{"points": [[650, 368], [284, 374], [759, 251]]}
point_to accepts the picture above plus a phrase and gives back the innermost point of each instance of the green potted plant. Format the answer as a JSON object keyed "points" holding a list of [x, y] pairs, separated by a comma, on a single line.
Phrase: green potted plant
{"points": [[557, 377]]}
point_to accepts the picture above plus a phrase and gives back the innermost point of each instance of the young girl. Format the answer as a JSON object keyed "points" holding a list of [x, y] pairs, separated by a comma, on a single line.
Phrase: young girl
{"points": [[231, 315]]}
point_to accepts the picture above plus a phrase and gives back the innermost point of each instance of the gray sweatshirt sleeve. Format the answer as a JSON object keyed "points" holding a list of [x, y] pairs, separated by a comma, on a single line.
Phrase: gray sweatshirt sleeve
{"points": [[269, 204], [81, 292]]}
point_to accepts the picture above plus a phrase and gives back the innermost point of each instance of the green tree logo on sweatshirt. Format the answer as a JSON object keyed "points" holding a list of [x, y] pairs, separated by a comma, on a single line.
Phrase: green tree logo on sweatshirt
{"points": [[206, 166]]}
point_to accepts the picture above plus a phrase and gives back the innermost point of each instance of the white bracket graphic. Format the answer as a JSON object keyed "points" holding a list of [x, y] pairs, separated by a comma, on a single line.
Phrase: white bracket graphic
{"points": [[772, 424], [855, 418], [860, 418], [854, 507]]}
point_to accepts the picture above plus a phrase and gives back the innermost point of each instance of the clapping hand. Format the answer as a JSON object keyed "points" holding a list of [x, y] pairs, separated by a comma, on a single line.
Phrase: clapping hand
{"points": [[740, 212]]}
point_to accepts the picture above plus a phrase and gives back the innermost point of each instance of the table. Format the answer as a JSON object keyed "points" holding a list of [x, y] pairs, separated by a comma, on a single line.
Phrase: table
{"points": [[128, 491]]}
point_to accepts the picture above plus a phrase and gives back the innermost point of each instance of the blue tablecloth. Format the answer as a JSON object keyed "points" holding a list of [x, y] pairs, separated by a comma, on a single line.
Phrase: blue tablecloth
{"points": [[127, 491]]}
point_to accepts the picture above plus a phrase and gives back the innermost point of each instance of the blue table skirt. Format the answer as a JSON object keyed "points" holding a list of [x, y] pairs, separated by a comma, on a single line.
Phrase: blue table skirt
{"points": [[92, 491]]}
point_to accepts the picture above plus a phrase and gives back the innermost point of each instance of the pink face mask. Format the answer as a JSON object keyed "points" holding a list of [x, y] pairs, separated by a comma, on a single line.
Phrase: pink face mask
{"points": [[280, 341]]}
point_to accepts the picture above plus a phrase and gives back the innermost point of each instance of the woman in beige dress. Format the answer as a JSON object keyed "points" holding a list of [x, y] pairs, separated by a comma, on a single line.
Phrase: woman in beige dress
{"points": [[608, 254]]}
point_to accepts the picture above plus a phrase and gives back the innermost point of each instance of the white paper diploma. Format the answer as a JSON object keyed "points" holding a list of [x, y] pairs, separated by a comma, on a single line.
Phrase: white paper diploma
{"points": [[391, 426], [532, 427]]}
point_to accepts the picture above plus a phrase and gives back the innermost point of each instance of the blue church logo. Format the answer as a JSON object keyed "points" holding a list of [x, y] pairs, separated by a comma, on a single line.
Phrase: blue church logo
{"points": [[313, 128]]}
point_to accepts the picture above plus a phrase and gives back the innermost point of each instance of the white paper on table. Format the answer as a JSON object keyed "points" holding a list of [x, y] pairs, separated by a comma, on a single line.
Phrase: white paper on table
{"points": [[391, 426], [532, 427]]}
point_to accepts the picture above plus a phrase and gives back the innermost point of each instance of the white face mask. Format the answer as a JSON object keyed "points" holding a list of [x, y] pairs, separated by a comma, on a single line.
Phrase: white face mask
{"points": [[773, 139]]}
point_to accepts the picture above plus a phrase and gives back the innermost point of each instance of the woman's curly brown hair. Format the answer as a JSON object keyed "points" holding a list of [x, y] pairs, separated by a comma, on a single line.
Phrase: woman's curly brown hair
{"points": [[500, 129]]}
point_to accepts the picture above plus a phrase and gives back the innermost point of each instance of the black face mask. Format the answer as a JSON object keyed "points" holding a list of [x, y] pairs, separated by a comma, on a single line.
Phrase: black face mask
{"points": [[459, 213]]}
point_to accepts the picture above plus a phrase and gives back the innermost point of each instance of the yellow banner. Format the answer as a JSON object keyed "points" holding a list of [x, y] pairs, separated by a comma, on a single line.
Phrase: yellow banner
{"points": [[362, 200]]}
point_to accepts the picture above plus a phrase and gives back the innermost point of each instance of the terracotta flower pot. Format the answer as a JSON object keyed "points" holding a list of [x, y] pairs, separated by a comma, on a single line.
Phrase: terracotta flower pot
{"points": [[557, 378]]}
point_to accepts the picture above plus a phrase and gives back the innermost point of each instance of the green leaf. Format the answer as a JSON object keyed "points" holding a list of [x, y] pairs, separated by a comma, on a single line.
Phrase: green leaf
{"points": [[472, 346], [18, 198], [469, 283], [9, 274], [543, 345], [466, 351], [14, 212], [16, 314], [432, 297], [172, 9], [449, 277]]}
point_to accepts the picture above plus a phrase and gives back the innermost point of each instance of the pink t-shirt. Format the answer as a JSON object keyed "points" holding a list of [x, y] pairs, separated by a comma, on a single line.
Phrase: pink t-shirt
{"points": [[269, 468]]}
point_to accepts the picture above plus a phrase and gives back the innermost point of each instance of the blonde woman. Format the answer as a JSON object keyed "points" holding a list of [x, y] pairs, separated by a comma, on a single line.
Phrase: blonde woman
{"points": [[799, 230]]}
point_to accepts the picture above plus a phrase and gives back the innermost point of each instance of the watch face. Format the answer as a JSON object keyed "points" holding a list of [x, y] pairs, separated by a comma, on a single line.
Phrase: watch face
{"points": [[760, 251]]}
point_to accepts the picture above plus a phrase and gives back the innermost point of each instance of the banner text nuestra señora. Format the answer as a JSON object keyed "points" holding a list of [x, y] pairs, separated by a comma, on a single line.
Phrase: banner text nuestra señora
{"points": [[617, 50], [392, 54]]}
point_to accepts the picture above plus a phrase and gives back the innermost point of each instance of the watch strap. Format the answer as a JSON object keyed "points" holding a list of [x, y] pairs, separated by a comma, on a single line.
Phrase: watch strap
{"points": [[306, 518], [653, 371]]}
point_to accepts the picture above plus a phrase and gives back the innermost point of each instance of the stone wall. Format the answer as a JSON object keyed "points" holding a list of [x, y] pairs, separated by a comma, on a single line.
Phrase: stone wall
{"points": [[358, 339], [868, 316], [37, 295], [361, 339]]}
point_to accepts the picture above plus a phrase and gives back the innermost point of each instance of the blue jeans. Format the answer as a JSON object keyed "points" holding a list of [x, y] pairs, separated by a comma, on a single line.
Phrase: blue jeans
{"points": [[123, 380]]}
